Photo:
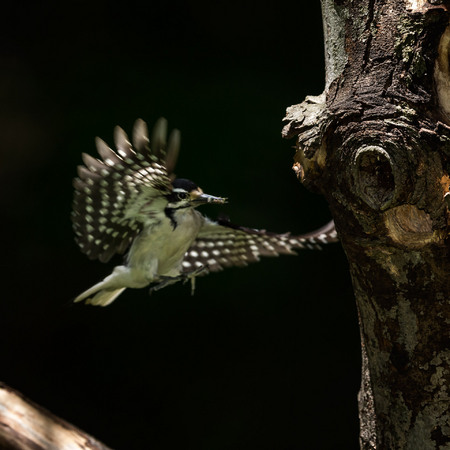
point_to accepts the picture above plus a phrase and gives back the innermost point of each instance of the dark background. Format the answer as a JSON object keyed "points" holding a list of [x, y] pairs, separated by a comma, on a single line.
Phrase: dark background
{"points": [[265, 357]]}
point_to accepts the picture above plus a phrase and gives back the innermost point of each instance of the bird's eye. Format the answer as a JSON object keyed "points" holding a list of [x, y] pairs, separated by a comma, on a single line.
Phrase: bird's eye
{"points": [[182, 195]]}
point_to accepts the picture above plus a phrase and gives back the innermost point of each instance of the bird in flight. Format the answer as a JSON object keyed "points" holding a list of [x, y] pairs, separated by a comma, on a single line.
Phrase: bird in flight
{"points": [[130, 201]]}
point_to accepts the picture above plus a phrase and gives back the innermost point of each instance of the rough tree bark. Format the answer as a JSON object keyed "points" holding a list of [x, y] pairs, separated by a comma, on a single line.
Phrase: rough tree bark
{"points": [[376, 144]]}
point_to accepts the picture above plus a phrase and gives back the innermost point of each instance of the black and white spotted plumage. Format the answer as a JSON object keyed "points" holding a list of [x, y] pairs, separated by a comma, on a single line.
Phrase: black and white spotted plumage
{"points": [[129, 200], [116, 195], [222, 244]]}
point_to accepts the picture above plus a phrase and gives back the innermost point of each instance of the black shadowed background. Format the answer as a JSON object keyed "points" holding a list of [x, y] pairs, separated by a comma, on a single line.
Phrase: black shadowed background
{"points": [[265, 357]]}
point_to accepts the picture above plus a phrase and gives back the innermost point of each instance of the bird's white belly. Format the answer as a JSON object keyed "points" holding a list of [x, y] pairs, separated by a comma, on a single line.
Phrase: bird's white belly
{"points": [[159, 250]]}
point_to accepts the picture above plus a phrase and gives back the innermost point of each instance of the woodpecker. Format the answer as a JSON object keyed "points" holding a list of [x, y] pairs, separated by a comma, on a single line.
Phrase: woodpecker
{"points": [[130, 201]]}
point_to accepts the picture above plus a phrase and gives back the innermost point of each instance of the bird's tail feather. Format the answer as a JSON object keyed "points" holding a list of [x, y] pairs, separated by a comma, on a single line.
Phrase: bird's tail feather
{"points": [[99, 296], [104, 297]]}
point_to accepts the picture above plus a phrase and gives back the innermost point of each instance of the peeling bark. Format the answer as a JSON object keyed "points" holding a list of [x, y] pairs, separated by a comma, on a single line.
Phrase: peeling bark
{"points": [[376, 144]]}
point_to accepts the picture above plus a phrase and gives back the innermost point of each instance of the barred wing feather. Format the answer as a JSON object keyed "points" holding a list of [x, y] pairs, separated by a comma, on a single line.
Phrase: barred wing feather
{"points": [[124, 189], [222, 244]]}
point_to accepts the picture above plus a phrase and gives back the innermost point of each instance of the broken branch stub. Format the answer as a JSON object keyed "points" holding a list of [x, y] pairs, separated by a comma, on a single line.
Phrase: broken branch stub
{"points": [[368, 138]]}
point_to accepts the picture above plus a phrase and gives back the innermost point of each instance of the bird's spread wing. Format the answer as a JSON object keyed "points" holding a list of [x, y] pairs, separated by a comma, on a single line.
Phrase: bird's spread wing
{"points": [[116, 194], [222, 244]]}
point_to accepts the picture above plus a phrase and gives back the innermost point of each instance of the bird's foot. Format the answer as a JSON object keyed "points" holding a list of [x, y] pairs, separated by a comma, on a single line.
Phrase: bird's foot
{"points": [[191, 276], [185, 277]]}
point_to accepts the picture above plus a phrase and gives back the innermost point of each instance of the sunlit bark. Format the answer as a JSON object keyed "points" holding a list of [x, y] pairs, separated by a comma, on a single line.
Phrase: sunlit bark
{"points": [[376, 144], [27, 426]]}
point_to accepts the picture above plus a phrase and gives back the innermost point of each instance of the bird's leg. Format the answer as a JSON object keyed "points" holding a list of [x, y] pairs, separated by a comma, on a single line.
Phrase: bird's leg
{"points": [[185, 277], [193, 273], [191, 276], [164, 281]]}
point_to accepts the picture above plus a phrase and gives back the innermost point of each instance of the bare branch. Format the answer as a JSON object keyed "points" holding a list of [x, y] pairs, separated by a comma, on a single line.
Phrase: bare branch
{"points": [[25, 425]]}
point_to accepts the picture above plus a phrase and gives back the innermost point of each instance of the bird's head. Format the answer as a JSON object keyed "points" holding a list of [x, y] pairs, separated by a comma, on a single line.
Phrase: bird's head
{"points": [[186, 194]]}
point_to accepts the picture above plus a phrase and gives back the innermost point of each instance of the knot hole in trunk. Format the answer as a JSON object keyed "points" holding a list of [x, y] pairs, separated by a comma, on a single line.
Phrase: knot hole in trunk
{"points": [[373, 177]]}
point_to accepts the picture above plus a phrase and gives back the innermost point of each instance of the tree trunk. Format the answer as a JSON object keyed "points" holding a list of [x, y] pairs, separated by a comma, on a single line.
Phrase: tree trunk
{"points": [[27, 426], [376, 144]]}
